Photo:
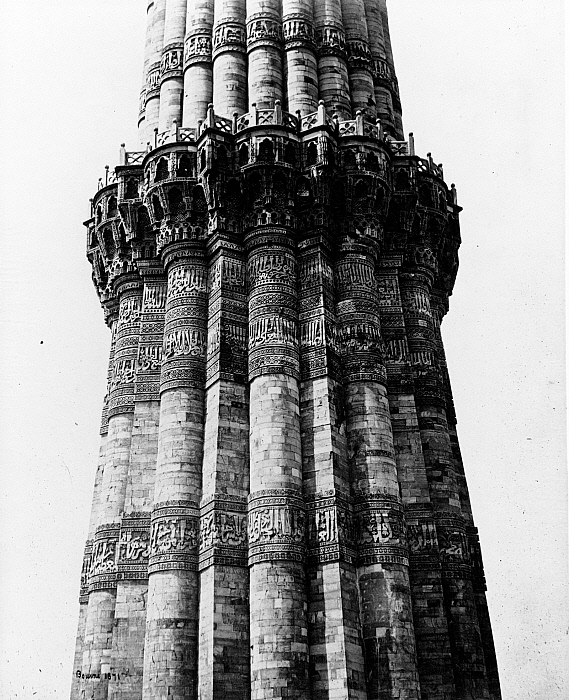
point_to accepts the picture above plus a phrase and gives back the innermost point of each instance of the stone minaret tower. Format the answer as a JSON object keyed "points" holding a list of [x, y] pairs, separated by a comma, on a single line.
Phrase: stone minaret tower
{"points": [[280, 507]]}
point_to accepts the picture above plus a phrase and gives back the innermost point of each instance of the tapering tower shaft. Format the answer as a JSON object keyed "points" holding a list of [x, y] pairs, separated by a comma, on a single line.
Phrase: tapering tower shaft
{"points": [[280, 507]]}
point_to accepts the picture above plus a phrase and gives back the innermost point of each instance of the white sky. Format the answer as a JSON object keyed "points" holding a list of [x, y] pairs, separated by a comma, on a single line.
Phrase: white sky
{"points": [[481, 85]]}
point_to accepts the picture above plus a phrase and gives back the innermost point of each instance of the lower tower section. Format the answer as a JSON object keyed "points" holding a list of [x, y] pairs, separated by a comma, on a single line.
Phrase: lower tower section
{"points": [[280, 508]]}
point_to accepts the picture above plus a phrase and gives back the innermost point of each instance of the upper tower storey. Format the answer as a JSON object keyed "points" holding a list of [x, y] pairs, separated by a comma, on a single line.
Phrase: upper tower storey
{"points": [[244, 54]]}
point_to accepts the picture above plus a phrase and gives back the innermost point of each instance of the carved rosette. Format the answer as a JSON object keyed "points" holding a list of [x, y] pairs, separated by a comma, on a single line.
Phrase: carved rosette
{"points": [[380, 530], [134, 547], [273, 325], [185, 331], [331, 529], [198, 46], [171, 65], [121, 394], [229, 34], [276, 526], [454, 548], [331, 41], [298, 32], [174, 537], [103, 566], [223, 532], [264, 29]]}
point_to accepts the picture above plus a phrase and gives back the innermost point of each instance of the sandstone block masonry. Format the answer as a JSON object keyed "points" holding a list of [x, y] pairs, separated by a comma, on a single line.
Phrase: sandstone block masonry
{"points": [[280, 506]]}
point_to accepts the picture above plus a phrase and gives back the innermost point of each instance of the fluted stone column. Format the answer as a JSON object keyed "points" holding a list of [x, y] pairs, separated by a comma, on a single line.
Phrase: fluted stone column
{"points": [[78, 671], [277, 520], [99, 624], [458, 598], [264, 53], [393, 80], [359, 57], [383, 577], [230, 57], [142, 135], [134, 539], [198, 78], [154, 72], [439, 307], [333, 83], [430, 623], [300, 65], [224, 666], [336, 656], [172, 64], [381, 71], [171, 646]]}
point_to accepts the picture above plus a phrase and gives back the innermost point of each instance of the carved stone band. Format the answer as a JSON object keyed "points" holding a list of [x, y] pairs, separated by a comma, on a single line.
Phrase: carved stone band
{"points": [[263, 30], [223, 532], [452, 541], [153, 80], [380, 531], [359, 54], [172, 61], [102, 566], [174, 537], [134, 547], [229, 35], [276, 526], [298, 31], [331, 529], [330, 40], [197, 47]]}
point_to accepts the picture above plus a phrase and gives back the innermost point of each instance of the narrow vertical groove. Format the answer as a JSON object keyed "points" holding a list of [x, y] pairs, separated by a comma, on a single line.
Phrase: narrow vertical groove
{"points": [[264, 53], [430, 624], [102, 577], [333, 83], [153, 75], [171, 644], [439, 304], [277, 519], [142, 127], [381, 71], [382, 571], [134, 539], [78, 664], [392, 77], [171, 65], [336, 655], [359, 57], [230, 57], [198, 78], [224, 672], [458, 595], [300, 65]]}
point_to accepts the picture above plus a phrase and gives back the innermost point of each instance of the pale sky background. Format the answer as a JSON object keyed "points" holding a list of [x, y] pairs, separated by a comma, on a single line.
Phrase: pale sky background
{"points": [[482, 89]]}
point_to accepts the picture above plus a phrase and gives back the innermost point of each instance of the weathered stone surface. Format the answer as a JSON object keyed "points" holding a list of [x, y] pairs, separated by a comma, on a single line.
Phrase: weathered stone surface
{"points": [[280, 507]]}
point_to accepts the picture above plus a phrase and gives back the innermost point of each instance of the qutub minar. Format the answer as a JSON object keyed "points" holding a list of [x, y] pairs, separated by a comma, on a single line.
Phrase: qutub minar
{"points": [[280, 508]]}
